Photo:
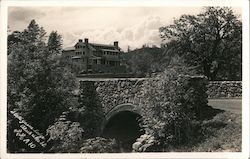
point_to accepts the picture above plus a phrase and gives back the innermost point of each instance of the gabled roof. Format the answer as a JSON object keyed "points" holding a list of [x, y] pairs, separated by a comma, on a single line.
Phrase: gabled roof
{"points": [[80, 43]]}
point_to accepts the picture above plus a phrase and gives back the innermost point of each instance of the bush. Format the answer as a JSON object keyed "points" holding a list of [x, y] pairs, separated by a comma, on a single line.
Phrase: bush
{"points": [[173, 100], [99, 145], [90, 109], [64, 135], [145, 143]]}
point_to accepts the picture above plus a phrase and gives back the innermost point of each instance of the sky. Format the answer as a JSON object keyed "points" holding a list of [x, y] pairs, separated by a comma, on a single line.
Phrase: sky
{"points": [[131, 26]]}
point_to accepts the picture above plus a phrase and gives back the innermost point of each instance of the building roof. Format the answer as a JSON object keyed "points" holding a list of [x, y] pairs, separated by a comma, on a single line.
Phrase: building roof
{"points": [[110, 50], [95, 46], [69, 48], [102, 45]]}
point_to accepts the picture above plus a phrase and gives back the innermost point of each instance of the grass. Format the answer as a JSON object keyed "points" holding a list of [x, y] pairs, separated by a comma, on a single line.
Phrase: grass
{"points": [[219, 132], [222, 134]]}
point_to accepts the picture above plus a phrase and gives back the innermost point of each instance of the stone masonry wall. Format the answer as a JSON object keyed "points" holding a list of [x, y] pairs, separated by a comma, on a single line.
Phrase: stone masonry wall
{"points": [[112, 93], [224, 89]]}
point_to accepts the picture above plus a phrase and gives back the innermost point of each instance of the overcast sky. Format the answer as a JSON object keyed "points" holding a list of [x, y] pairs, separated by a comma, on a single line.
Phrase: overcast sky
{"points": [[133, 26]]}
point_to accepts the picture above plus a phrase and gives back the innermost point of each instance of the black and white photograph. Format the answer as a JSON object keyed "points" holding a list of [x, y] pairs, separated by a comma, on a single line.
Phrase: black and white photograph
{"points": [[129, 80]]}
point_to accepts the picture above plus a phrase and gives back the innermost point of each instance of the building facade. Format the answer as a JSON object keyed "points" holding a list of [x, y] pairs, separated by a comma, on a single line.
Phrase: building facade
{"points": [[92, 57]]}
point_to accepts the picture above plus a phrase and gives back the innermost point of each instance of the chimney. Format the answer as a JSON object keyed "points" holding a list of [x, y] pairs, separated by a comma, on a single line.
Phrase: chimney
{"points": [[116, 44], [86, 40], [80, 40]]}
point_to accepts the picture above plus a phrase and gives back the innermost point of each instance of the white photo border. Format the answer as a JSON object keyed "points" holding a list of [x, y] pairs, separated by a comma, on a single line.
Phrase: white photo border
{"points": [[244, 4]]}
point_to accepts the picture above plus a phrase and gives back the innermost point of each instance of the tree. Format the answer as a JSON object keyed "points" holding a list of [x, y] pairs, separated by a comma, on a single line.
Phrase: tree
{"points": [[174, 101], [145, 61], [90, 109], [55, 41], [39, 87], [13, 38], [211, 41]]}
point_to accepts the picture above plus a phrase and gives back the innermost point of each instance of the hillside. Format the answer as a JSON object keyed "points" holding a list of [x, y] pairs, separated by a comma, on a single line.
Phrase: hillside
{"points": [[145, 60]]}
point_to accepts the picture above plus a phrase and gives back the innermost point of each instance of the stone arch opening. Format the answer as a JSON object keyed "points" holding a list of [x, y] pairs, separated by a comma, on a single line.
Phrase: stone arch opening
{"points": [[124, 127]]}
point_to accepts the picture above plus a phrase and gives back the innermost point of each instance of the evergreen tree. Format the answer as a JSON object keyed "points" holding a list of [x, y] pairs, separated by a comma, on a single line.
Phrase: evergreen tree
{"points": [[55, 42]]}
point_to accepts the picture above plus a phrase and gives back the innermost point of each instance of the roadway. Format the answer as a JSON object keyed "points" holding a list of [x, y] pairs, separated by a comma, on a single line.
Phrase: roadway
{"points": [[232, 105]]}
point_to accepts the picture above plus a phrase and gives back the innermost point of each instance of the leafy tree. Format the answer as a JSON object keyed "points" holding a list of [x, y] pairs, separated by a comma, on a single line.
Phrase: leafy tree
{"points": [[211, 41], [145, 60], [39, 87]]}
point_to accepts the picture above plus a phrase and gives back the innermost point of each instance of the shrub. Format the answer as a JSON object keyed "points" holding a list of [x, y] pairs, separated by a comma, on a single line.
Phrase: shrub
{"points": [[64, 135], [91, 114], [145, 143], [173, 100], [99, 145]]}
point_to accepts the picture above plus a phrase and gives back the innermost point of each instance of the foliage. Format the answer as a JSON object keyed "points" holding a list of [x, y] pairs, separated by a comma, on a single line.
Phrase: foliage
{"points": [[145, 143], [13, 144], [221, 133], [13, 38], [55, 42], [91, 113], [173, 100], [64, 135], [39, 87], [99, 145], [145, 61], [211, 41]]}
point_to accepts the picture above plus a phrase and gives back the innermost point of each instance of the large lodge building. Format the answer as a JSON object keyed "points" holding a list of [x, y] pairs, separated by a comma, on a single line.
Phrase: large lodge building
{"points": [[91, 57]]}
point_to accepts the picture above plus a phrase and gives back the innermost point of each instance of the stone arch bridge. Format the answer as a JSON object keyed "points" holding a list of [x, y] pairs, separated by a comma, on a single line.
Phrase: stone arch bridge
{"points": [[120, 101], [117, 95]]}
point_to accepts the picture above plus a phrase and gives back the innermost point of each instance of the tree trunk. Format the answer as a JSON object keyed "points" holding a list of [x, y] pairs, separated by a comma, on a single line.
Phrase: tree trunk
{"points": [[206, 69], [214, 73]]}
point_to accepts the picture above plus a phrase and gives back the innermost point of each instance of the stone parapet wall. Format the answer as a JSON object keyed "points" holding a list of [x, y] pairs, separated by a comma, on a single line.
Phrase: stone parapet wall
{"points": [[117, 91], [114, 92], [224, 89]]}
